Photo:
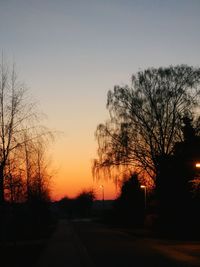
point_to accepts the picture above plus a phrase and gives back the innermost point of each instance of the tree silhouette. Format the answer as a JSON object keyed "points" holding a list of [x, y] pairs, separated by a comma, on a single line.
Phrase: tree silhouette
{"points": [[83, 202], [146, 120], [129, 206], [176, 181], [14, 112], [18, 128]]}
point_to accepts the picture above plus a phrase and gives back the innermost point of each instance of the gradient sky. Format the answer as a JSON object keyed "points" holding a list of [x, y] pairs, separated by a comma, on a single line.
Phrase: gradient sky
{"points": [[70, 53]]}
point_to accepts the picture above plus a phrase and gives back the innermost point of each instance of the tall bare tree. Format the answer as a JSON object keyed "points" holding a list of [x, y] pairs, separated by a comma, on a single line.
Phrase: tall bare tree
{"points": [[17, 114], [146, 119], [40, 176], [27, 173], [14, 184]]}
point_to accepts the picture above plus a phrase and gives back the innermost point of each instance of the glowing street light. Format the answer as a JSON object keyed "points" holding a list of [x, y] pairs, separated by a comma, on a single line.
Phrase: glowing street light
{"points": [[145, 194], [197, 165]]}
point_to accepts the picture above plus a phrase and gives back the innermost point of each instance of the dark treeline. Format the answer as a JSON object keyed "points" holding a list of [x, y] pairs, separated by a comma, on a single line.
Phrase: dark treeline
{"points": [[79, 207]]}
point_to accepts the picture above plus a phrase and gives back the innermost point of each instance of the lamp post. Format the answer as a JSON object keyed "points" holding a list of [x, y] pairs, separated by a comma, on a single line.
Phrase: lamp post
{"points": [[102, 187], [145, 195], [197, 171]]}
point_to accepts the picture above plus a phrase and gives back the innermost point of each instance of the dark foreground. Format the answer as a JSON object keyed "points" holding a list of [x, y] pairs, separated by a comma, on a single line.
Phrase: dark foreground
{"points": [[85, 243], [21, 254], [24, 248], [118, 247]]}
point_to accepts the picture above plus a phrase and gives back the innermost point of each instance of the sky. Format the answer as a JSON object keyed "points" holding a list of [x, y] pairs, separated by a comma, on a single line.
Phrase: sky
{"points": [[70, 53]]}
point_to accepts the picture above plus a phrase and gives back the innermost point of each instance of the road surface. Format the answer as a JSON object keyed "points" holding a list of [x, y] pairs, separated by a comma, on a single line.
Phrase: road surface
{"points": [[112, 247]]}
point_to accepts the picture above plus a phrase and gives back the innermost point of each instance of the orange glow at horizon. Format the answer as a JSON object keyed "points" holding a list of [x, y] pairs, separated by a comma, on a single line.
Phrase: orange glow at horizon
{"points": [[73, 174], [70, 185], [71, 189]]}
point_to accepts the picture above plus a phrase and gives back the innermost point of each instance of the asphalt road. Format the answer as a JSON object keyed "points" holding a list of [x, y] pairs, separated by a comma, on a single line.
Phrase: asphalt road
{"points": [[112, 247]]}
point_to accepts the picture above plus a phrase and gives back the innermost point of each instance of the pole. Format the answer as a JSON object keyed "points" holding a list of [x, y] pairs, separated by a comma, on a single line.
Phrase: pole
{"points": [[145, 195], [102, 187]]}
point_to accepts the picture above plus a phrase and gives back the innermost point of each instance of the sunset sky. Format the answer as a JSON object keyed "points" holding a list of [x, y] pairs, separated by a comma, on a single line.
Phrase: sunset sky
{"points": [[70, 53]]}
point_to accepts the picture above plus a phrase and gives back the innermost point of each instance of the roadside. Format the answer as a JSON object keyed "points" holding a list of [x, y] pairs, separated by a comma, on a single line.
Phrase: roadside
{"points": [[23, 248], [21, 253], [175, 249], [112, 246]]}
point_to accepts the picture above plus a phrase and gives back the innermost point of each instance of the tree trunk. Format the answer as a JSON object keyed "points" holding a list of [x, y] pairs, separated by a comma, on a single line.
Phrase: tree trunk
{"points": [[1, 185]]}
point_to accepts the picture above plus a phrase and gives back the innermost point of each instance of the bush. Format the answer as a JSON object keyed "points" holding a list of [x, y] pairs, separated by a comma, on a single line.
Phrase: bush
{"points": [[129, 206]]}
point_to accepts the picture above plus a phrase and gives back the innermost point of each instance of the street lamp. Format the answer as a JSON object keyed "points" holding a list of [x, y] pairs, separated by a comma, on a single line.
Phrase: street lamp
{"points": [[197, 165], [102, 187], [197, 171], [145, 195]]}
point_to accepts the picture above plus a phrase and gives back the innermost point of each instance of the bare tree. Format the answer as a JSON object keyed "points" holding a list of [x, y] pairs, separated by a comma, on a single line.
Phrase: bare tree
{"points": [[17, 116], [14, 184], [40, 177], [146, 119], [27, 172]]}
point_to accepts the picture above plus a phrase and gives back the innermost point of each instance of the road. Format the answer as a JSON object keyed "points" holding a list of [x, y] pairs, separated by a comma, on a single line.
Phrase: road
{"points": [[113, 247]]}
